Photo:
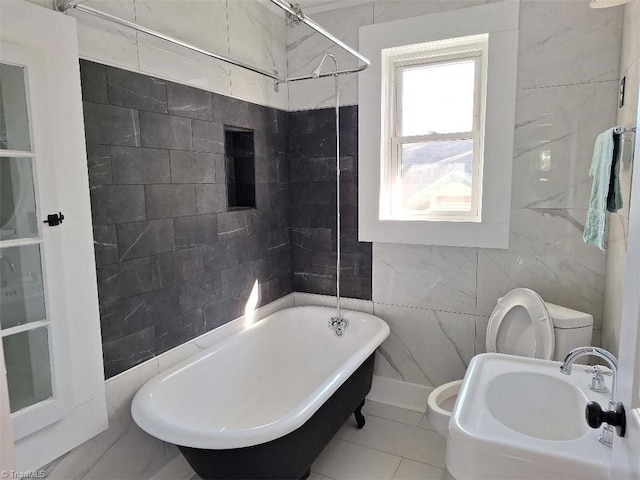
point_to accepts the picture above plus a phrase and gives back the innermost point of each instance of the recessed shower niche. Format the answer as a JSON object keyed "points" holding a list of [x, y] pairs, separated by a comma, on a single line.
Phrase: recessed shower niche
{"points": [[240, 168]]}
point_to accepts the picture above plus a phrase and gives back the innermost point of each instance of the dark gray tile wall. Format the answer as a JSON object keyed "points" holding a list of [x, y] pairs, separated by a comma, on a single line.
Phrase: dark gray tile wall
{"points": [[172, 262], [313, 204]]}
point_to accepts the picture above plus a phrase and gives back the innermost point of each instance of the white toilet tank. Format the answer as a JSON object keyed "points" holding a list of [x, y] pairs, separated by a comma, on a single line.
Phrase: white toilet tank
{"points": [[571, 329]]}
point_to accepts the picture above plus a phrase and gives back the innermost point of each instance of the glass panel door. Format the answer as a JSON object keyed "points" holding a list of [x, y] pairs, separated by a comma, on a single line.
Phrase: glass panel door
{"points": [[24, 322]]}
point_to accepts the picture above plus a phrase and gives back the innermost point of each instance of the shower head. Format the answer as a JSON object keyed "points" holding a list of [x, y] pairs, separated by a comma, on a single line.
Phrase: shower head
{"points": [[318, 69]]}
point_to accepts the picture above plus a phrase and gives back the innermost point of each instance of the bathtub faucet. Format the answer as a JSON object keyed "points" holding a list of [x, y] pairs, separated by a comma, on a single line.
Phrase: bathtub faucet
{"points": [[338, 325]]}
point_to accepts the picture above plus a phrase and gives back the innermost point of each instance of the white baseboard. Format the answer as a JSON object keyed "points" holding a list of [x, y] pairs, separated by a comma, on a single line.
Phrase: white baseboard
{"points": [[409, 396]]}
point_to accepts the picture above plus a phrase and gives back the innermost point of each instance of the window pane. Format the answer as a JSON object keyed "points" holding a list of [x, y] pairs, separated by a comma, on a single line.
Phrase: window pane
{"points": [[14, 123], [17, 199], [437, 176], [438, 98], [26, 356], [21, 287]]}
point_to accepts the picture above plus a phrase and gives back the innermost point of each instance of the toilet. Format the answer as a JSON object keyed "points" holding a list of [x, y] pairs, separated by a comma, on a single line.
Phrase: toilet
{"points": [[521, 324]]}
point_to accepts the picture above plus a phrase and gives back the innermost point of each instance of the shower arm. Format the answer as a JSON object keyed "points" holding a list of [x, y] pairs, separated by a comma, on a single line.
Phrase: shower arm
{"points": [[65, 5]]}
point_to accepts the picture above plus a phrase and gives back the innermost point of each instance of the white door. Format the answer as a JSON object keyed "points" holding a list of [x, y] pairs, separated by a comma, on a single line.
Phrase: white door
{"points": [[626, 450], [32, 300], [49, 319]]}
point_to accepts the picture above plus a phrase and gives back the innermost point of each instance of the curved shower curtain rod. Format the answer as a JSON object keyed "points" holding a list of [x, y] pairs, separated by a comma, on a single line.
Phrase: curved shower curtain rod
{"points": [[293, 12]]}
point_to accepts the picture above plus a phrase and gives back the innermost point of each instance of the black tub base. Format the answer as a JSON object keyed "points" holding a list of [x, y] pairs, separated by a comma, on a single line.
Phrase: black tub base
{"points": [[291, 456]]}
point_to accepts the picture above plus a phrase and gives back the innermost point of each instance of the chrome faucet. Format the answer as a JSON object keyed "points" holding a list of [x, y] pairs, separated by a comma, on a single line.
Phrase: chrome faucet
{"points": [[338, 325], [614, 416]]}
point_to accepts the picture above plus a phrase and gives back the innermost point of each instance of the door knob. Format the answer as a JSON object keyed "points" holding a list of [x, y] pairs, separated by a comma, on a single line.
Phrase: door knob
{"points": [[595, 417]]}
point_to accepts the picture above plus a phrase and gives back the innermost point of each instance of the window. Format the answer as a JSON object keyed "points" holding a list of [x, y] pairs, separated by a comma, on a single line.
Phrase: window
{"points": [[435, 148], [436, 128]]}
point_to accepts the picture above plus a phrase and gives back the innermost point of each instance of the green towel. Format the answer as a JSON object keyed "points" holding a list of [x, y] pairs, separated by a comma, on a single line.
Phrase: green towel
{"points": [[601, 171]]}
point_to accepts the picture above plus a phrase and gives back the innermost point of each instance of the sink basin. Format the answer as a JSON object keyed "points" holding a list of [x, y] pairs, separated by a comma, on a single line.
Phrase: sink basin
{"points": [[520, 418], [563, 422]]}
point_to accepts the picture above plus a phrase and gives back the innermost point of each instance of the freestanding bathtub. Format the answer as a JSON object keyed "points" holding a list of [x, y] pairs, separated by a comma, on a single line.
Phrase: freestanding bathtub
{"points": [[263, 403]]}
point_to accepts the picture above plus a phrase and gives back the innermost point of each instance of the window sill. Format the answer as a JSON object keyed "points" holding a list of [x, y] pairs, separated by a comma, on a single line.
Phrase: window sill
{"points": [[452, 234]]}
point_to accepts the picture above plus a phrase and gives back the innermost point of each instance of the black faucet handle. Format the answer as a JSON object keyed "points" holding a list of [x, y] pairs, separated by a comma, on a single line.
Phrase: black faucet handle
{"points": [[595, 417]]}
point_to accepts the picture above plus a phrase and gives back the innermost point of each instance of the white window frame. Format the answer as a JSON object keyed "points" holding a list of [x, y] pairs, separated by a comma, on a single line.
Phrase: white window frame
{"points": [[470, 48], [499, 21]]}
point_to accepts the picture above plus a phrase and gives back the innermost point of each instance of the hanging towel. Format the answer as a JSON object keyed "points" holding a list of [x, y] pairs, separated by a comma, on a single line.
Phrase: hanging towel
{"points": [[601, 171], [614, 197]]}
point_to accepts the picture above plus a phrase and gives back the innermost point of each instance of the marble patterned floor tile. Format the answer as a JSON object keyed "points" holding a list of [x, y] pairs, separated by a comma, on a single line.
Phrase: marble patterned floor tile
{"points": [[410, 470], [347, 430], [405, 441], [347, 461], [122, 451], [424, 423], [425, 347], [178, 469], [438, 278]]}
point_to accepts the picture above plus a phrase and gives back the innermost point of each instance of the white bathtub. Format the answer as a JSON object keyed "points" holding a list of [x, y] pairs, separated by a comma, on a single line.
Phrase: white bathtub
{"points": [[258, 385]]}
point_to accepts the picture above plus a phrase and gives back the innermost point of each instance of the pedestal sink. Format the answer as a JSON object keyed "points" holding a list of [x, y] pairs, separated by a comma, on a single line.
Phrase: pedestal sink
{"points": [[520, 418]]}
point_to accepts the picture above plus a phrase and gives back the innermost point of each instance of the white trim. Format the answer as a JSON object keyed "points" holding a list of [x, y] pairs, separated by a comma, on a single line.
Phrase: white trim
{"points": [[397, 60], [625, 462], [396, 393], [16, 153], [500, 21]]}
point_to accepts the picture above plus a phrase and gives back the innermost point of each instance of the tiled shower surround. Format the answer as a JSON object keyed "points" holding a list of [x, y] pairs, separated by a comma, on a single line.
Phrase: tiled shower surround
{"points": [[173, 260], [312, 150]]}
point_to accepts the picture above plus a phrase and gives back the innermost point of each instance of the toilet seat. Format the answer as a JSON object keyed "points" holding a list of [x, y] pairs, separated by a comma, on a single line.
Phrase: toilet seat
{"points": [[520, 325]]}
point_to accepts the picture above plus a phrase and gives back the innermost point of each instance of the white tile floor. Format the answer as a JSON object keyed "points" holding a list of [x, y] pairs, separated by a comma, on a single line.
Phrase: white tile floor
{"points": [[395, 444]]}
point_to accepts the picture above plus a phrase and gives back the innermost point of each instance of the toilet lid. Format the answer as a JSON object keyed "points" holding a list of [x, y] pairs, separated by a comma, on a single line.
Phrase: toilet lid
{"points": [[520, 325]]}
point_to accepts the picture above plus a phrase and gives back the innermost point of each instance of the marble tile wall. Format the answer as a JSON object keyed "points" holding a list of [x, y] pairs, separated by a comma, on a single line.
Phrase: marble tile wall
{"points": [[252, 31], [619, 221], [438, 299], [172, 260], [313, 205]]}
